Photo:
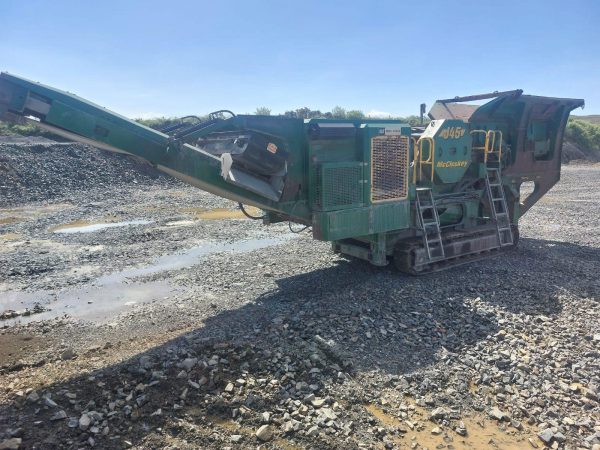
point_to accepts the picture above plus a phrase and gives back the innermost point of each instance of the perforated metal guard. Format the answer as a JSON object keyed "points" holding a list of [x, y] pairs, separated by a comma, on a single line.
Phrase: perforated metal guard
{"points": [[389, 168], [339, 185]]}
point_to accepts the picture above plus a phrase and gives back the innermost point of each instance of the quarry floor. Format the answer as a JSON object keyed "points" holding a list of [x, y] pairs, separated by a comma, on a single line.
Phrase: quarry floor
{"points": [[138, 312]]}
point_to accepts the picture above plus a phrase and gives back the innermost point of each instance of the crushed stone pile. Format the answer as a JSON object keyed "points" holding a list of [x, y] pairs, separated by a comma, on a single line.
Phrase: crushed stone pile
{"points": [[42, 171]]}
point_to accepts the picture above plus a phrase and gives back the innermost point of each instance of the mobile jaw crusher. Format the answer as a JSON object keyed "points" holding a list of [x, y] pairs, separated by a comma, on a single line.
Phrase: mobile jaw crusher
{"points": [[425, 198]]}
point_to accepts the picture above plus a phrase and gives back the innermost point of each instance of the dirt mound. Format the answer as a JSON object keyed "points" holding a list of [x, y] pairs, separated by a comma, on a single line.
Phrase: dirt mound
{"points": [[40, 171], [572, 153]]}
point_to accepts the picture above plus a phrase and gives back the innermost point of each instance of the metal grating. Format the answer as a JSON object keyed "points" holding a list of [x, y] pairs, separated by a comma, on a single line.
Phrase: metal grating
{"points": [[389, 168], [339, 185]]}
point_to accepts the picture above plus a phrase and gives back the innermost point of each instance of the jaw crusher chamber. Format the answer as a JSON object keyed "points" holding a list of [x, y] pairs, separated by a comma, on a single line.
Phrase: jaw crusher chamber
{"points": [[250, 160]]}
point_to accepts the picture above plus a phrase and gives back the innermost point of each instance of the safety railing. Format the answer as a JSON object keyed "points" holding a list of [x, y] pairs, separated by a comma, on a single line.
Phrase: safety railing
{"points": [[493, 137], [492, 144], [419, 161], [415, 143]]}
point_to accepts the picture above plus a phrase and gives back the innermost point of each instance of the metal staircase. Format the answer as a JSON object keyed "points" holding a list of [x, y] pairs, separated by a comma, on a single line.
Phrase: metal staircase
{"points": [[497, 199], [492, 158], [428, 217], [430, 224]]}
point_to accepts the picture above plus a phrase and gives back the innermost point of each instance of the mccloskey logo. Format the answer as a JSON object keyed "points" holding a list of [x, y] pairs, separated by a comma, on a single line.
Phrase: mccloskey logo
{"points": [[444, 164]]}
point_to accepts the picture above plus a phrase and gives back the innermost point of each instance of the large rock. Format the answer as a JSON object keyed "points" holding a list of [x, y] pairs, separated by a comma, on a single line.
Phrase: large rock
{"points": [[189, 363], [84, 422], [68, 354], [11, 444], [546, 435], [497, 414], [60, 415], [264, 433], [439, 413]]}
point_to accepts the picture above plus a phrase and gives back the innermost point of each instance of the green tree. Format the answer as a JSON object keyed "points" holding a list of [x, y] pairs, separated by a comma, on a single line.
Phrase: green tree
{"points": [[415, 121], [303, 113], [338, 112], [355, 114], [263, 111], [583, 134], [158, 122]]}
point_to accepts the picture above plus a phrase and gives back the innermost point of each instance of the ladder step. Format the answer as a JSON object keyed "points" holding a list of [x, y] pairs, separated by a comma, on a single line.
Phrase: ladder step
{"points": [[498, 203], [432, 238]]}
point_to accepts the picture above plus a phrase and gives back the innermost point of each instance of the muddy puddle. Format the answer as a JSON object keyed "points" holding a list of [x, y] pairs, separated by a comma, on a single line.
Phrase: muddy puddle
{"points": [[90, 227], [10, 237], [481, 432], [11, 219], [221, 213], [85, 226], [10, 216], [118, 291]]}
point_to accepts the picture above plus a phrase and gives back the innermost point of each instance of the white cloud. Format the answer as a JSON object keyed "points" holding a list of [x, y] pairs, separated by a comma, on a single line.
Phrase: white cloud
{"points": [[379, 114]]}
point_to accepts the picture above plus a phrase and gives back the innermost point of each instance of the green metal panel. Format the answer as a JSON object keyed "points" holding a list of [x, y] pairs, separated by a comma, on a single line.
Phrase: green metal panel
{"points": [[344, 224], [339, 185], [390, 216], [12, 97], [452, 149], [365, 221]]}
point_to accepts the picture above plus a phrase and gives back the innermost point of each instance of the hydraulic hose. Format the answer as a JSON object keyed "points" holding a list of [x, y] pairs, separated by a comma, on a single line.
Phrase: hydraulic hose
{"points": [[247, 214]]}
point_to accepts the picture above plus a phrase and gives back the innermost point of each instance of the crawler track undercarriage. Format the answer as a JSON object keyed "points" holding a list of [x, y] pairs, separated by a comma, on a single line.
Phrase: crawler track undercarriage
{"points": [[460, 248]]}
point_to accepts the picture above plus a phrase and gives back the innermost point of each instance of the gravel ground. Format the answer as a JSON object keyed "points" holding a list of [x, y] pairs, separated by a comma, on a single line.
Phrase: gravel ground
{"points": [[198, 329]]}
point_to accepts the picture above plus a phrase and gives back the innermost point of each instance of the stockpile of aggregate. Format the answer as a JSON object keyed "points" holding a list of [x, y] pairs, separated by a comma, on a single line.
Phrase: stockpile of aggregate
{"points": [[42, 171]]}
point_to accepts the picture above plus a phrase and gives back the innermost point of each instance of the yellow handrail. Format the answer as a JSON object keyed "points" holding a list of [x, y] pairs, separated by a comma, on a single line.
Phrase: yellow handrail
{"points": [[430, 158], [415, 160], [490, 149], [485, 143], [490, 143]]}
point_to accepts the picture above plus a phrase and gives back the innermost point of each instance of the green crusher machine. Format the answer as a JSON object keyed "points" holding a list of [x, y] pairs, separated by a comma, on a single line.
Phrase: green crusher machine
{"points": [[423, 198]]}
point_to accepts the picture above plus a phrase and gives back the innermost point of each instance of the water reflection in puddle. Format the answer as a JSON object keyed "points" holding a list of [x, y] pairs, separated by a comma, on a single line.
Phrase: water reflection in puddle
{"points": [[83, 227], [115, 292], [190, 257]]}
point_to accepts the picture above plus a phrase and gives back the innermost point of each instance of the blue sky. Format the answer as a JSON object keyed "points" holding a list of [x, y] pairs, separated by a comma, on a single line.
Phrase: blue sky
{"points": [[174, 58]]}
